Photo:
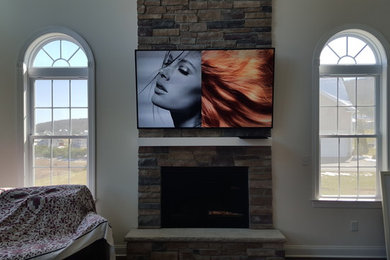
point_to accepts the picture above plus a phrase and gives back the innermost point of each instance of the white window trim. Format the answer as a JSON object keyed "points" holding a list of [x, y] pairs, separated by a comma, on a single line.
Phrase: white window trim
{"points": [[23, 101], [383, 49]]}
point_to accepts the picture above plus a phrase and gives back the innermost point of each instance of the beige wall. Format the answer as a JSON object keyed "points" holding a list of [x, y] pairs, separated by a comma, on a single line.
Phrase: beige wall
{"points": [[297, 28], [110, 28]]}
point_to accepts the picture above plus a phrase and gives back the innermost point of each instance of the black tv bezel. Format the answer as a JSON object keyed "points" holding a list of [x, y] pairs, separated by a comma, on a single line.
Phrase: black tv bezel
{"points": [[199, 128]]}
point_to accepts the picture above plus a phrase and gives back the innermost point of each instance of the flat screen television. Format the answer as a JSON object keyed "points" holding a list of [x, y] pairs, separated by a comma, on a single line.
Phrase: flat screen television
{"points": [[205, 88]]}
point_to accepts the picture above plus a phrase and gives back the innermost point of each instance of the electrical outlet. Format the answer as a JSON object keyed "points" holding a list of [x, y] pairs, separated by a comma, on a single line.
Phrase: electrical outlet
{"points": [[354, 226], [306, 160]]}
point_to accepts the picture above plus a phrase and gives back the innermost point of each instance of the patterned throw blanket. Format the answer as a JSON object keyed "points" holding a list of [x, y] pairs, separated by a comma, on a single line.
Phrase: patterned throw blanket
{"points": [[50, 222]]}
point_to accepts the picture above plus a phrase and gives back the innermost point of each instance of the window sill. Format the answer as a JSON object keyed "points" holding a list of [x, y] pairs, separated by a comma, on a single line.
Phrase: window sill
{"points": [[353, 204]]}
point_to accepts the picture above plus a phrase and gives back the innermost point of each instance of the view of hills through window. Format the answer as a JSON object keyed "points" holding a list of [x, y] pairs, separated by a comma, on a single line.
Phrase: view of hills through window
{"points": [[59, 114]]}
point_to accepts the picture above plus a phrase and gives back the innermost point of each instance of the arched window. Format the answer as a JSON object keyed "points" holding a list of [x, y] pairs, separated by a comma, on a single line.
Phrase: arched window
{"points": [[59, 110], [351, 117]]}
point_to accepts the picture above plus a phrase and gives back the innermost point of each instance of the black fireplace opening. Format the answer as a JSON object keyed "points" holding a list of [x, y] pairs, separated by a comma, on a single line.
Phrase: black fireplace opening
{"points": [[204, 197]]}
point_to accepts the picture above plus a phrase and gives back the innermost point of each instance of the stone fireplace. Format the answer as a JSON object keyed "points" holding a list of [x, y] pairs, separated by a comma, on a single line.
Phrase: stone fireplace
{"points": [[153, 241], [257, 159], [204, 24]]}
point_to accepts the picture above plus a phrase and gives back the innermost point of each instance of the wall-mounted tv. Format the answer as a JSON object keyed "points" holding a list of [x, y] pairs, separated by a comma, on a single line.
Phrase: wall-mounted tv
{"points": [[205, 88]]}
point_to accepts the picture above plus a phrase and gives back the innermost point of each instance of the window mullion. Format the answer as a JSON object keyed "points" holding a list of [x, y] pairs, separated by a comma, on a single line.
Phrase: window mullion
{"points": [[60, 73], [70, 107], [349, 136], [60, 49], [30, 130], [52, 105], [73, 54], [70, 129], [349, 70], [357, 140], [51, 161], [361, 49], [356, 105], [358, 166], [338, 168], [60, 136], [69, 156], [48, 54], [337, 105], [379, 131], [338, 139]]}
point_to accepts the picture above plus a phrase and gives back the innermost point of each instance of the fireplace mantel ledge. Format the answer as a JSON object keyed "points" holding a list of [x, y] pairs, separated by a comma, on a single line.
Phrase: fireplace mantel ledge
{"points": [[206, 235], [202, 141]]}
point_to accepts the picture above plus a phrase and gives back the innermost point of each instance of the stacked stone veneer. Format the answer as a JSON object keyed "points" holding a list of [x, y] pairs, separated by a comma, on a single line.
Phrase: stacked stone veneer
{"points": [[178, 250], [257, 159], [204, 24]]}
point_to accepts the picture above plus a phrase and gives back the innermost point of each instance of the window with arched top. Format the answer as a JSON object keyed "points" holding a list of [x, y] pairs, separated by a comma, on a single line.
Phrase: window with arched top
{"points": [[59, 110], [350, 117]]}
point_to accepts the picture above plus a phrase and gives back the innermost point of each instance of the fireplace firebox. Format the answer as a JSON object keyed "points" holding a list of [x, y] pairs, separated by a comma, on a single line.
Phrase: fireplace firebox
{"points": [[204, 197]]}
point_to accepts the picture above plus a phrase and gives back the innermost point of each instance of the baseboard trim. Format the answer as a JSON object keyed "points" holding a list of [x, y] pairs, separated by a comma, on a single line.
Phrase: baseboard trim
{"points": [[332, 251], [120, 250], [313, 251]]}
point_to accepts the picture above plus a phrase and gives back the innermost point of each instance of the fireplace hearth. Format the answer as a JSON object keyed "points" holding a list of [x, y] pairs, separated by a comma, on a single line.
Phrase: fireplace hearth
{"points": [[204, 197]]}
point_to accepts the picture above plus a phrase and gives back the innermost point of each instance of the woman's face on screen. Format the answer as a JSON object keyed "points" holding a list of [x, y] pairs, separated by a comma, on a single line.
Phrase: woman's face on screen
{"points": [[178, 85]]}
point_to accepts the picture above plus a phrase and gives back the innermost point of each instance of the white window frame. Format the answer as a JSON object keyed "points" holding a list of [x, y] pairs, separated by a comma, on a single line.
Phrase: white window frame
{"points": [[27, 75], [380, 72]]}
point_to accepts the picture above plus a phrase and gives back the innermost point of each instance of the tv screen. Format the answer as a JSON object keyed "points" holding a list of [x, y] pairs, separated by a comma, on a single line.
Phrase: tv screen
{"points": [[205, 88]]}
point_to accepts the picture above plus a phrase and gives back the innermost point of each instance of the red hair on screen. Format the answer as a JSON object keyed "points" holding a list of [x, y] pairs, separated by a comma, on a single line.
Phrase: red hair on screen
{"points": [[237, 88]]}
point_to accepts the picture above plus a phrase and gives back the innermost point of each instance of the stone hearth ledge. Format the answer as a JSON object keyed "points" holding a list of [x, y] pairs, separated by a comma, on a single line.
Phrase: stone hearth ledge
{"points": [[205, 235]]}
